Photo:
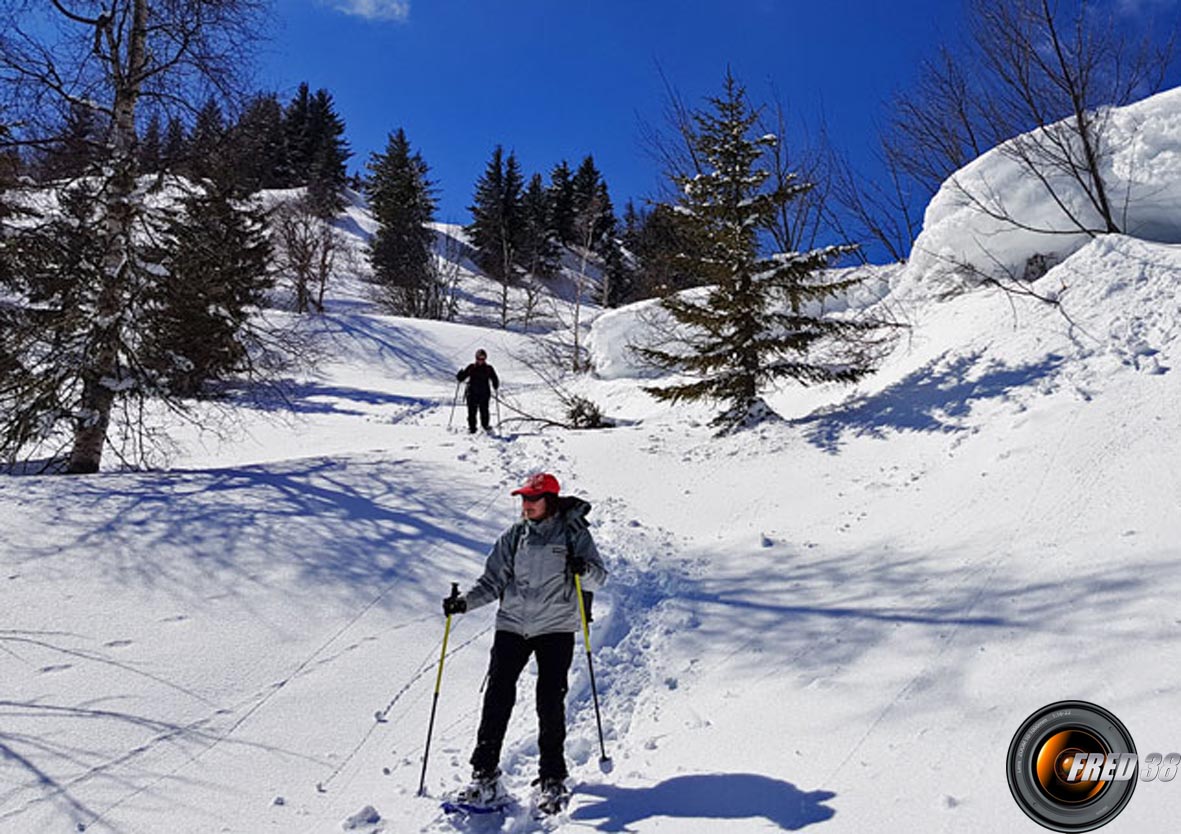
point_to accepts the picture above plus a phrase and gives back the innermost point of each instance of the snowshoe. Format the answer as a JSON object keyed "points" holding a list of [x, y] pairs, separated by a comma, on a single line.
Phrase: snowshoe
{"points": [[552, 797], [483, 795]]}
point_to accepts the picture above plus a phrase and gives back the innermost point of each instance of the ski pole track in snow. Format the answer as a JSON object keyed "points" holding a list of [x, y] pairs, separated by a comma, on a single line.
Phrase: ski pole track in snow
{"points": [[257, 705], [167, 733], [428, 666], [98, 658], [946, 641]]}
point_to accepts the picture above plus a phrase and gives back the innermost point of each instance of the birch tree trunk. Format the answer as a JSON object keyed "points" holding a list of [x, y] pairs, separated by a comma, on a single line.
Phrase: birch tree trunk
{"points": [[126, 61]]}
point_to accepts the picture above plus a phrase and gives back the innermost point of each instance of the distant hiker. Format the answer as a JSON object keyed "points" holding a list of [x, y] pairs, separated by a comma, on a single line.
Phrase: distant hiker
{"points": [[481, 380], [531, 570]]}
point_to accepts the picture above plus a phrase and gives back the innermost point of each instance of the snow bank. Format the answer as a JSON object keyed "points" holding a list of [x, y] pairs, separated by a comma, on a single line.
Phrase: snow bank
{"points": [[1142, 164], [615, 332]]}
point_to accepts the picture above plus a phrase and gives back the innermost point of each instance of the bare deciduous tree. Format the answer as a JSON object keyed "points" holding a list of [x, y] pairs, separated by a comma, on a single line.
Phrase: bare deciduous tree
{"points": [[885, 211], [1052, 71], [584, 226], [1036, 77], [307, 250], [109, 56], [446, 267], [799, 166], [939, 126]]}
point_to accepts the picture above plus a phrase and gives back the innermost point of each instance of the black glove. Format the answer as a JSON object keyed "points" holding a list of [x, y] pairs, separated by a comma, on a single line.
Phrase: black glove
{"points": [[577, 565], [454, 605]]}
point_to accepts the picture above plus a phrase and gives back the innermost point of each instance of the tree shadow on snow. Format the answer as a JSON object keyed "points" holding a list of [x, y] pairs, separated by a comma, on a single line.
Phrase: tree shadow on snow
{"points": [[352, 524], [384, 338], [49, 789], [30, 783], [728, 796], [826, 614], [935, 398], [315, 398]]}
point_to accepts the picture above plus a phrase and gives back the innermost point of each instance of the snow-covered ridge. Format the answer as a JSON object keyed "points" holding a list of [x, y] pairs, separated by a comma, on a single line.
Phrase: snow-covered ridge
{"points": [[1142, 167]]}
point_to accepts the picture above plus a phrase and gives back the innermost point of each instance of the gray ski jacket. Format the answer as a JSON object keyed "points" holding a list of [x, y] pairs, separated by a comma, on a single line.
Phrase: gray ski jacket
{"points": [[527, 571]]}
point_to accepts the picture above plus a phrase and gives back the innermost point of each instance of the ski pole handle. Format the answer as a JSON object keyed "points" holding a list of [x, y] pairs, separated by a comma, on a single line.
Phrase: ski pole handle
{"points": [[582, 612]]}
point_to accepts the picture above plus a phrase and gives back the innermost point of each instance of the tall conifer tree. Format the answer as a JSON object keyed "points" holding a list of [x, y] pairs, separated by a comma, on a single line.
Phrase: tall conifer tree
{"points": [[752, 329], [593, 212], [176, 145], [80, 144], [539, 248], [259, 146], [151, 146], [402, 200], [297, 127], [207, 145], [317, 150], [327, 176], [217, 256], [561, 198], [497, 227]]}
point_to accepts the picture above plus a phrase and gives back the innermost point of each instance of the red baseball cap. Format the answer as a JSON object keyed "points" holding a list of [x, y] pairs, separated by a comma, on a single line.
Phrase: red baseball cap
{"points": [[539, 484]]}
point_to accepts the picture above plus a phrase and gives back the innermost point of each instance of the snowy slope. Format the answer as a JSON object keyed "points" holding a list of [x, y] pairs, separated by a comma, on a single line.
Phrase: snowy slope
{"points": [[836, 623]]}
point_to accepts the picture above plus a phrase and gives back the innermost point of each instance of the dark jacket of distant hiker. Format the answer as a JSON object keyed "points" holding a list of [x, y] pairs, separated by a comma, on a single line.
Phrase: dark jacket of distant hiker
{"points": [[481, 379]]}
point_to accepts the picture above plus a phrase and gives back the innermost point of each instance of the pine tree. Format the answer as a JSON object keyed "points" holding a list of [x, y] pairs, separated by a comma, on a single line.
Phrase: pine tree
{"points": [[402, 200], [207, 145], [217, 256], [585, 184], [752, 329], [151, 147], [317, 150], [78, 146], [259, 146], [633, 220], [561, 198], [619, 283], [539, 250], [53, 264], [594, 216], [297, 130], [497, 227], [175, 152], [665, 252]]}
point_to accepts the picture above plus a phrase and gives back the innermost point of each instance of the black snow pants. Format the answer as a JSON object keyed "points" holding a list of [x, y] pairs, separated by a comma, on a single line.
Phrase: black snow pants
{"points": [[475, 404], [510, 653]]}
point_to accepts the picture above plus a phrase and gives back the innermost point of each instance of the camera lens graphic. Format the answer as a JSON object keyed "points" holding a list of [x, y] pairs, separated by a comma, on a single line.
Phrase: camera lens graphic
{"points": [[1046, 750], [1057, 756]]}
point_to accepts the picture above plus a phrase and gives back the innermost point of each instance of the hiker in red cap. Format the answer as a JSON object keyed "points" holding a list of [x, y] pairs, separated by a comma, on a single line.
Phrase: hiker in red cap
{"points": [[531, 570]]}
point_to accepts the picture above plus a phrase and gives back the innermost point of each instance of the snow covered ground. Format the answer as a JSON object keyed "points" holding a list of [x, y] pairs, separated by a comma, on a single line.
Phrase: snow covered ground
{"points": [[835, 623]]}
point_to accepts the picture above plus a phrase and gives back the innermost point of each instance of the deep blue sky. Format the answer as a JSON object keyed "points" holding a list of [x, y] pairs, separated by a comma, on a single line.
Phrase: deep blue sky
{"points": [[554, 79]]}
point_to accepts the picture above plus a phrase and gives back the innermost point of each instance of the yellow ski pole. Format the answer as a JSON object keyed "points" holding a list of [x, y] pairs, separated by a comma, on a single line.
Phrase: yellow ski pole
{"points": [[438, 685], [604, 759]]}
